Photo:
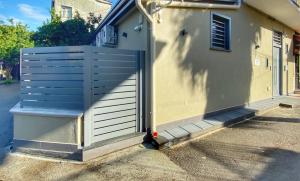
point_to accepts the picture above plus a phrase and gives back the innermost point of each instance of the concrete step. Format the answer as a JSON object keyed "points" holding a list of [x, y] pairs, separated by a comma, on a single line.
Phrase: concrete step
{"points": [[173, 136], [285, 105]]}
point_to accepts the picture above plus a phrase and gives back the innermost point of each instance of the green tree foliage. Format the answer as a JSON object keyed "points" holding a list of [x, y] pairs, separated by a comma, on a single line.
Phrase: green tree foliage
{"points": [[66, 33], [93, 21], [13, 37]]}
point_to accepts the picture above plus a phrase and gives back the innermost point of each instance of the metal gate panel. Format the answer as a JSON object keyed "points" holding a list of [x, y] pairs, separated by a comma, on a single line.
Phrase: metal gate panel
{"points": [[105, 83], [52, 77], [115, 91]]}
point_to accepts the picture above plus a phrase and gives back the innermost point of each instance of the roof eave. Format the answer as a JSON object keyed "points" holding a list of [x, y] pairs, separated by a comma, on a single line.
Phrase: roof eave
{"points": [[121, 8], [285, 11]]}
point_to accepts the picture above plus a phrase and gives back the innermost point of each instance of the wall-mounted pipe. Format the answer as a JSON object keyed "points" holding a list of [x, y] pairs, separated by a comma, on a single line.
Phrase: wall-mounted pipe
{"points": [[142, 9], [200, 5], [151, 53]]}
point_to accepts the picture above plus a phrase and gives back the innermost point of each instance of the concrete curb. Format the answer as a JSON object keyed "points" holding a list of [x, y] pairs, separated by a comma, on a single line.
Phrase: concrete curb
{"points": [[162, 142]]}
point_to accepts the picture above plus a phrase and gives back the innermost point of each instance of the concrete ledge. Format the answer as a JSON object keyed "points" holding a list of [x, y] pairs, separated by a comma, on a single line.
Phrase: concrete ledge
{"points": [[109, 146], [39, 145], [43, 129], [76, 156], [17, 109], [170, 137], [58, 150]]}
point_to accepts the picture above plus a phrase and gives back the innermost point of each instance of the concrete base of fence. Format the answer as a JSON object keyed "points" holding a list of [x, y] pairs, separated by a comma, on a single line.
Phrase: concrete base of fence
{"points": [[55, 150], [47, 130], [59, 133], [112, 145]]}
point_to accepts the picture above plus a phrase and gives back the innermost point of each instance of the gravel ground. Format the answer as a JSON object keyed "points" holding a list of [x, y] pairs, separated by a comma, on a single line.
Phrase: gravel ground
{"points": [[264, 148], [9, 96]]}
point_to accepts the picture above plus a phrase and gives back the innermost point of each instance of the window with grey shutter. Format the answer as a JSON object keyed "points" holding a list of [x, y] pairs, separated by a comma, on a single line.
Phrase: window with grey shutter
{"points": [[277, 39], [220, 32]]}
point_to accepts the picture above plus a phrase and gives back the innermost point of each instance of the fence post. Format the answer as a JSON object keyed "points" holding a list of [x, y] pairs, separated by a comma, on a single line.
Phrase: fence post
{"points": [[141, 89], [87, 95], [21, 59]]}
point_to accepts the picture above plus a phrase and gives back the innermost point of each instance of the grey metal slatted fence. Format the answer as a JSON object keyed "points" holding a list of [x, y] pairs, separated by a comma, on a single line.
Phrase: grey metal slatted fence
{"points": [[52, 77], [114, 93], [105, 83]]}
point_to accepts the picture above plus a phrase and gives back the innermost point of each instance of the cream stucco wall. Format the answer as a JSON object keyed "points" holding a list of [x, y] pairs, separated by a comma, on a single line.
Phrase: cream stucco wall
{"points": [[135, 40], [191, 79], [289, 62]]}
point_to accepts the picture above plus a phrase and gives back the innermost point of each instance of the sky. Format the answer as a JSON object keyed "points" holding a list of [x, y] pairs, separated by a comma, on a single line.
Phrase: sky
{"points": [[30, 12]]}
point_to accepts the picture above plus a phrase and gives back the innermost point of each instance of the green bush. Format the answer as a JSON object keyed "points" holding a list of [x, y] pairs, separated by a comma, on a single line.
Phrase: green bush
{"points": [[13, 37], [9, 81], [73, 32]]}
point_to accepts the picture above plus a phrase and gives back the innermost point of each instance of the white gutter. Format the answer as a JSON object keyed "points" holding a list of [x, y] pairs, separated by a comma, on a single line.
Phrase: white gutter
{"points": [[200, 5]]}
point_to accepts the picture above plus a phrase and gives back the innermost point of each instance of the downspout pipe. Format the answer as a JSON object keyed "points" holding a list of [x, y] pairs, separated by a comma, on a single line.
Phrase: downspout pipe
{"points": [[142, 9], [151, 50]]}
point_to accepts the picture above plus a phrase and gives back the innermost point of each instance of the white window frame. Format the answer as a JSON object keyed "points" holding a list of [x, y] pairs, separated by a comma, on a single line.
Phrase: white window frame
{"points": [[65, 10]]}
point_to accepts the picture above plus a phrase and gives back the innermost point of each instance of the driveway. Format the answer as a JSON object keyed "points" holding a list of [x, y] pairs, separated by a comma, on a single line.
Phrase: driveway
{"points": [[9, 96], [264, 148]]}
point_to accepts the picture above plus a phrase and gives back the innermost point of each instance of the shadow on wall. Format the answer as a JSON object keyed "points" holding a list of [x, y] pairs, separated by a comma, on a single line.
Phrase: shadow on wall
{"points": [[291, 68], [217, 79]]}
